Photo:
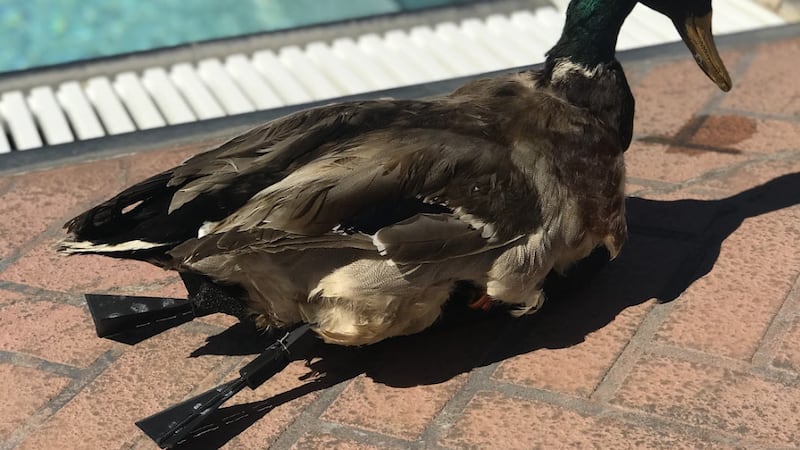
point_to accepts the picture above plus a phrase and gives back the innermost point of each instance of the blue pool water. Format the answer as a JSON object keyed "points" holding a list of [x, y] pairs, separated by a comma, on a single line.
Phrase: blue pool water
{"points": [[41, 32]]}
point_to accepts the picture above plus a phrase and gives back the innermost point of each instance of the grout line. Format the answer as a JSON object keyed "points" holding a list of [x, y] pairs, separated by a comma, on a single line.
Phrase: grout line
{"points": [[309, 418], [650, 183], [581, 405], [725, 171], [363, 436], [588, 407], [643, 336], [480, 378], [34, 362], [655, 422], [86, 377], [52, 230], [37, 294], [700, 182], [477, 380], [778, 327], [786, 378]]}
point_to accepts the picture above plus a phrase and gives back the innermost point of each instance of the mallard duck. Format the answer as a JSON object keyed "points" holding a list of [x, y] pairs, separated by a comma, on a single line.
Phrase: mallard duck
{"points": [[362, 218]]}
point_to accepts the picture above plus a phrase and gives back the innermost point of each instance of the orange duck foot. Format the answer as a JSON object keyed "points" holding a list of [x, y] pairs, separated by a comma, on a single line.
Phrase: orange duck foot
{"points": [[485, 303]]}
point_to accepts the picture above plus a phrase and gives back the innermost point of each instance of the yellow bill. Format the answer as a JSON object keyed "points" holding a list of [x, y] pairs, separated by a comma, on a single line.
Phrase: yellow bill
{"points": [[696, 33]]}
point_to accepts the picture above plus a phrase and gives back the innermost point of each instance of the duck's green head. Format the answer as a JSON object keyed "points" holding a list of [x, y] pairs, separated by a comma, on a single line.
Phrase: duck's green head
{"points": [[692, 18], [592, 26]]}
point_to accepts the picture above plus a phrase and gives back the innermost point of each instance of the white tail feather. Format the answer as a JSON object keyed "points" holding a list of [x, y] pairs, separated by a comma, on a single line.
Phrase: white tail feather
{"points": [[91, 247]]}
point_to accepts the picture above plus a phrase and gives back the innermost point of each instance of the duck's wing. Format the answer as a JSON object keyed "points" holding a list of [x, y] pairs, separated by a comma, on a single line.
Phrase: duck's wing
{"points": [[149, 218], [420, 194]]}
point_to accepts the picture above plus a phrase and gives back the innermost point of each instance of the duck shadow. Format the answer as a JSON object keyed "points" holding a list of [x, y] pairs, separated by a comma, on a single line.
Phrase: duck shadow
{"points": [[671, 245]]}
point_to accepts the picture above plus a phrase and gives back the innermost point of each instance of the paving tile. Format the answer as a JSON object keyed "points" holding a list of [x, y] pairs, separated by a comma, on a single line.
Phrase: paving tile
{"points": [[774, 175], [575, 369], [170, 287], [147, 378], [674, 164], [399, 412], [769, 69], [42, 199], [727, 311], [43, 267], [55, 332], [324, 441], [24, 391], [787, 354], [734, 132], [669, 97], [711, 397], [9, 296], [494, 420]]}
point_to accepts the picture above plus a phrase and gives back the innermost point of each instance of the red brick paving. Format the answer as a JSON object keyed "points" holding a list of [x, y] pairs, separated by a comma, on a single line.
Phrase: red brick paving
{"points": [[24, 391], [368, 405], [37, 200], [99, 416], [675, 164], [788, 354], [727, 311], [494, 420], [752, 408], [771, 66], [327, 441], [688, 340], [663, 107], [79, 274], [67, 338]]}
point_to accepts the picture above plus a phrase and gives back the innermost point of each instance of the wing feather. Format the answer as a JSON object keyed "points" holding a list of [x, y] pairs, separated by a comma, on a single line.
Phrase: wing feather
{"points": [[427, 238]]}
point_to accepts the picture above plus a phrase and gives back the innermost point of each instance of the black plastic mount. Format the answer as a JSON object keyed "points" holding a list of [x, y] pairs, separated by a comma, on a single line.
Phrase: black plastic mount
{"points": [[114, 314], [175, 424]]}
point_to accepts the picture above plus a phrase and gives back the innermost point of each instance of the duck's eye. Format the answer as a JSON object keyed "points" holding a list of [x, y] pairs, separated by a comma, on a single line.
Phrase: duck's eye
{"points": [[476, 189]]}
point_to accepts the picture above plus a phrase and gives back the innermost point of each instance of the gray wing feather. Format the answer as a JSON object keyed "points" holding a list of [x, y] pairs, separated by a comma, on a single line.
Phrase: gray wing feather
{"points": [[427, 238]]}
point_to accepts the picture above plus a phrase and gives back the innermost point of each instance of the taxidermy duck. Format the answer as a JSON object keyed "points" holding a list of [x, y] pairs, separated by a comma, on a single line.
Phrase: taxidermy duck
{"points": [[363, 218]]}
